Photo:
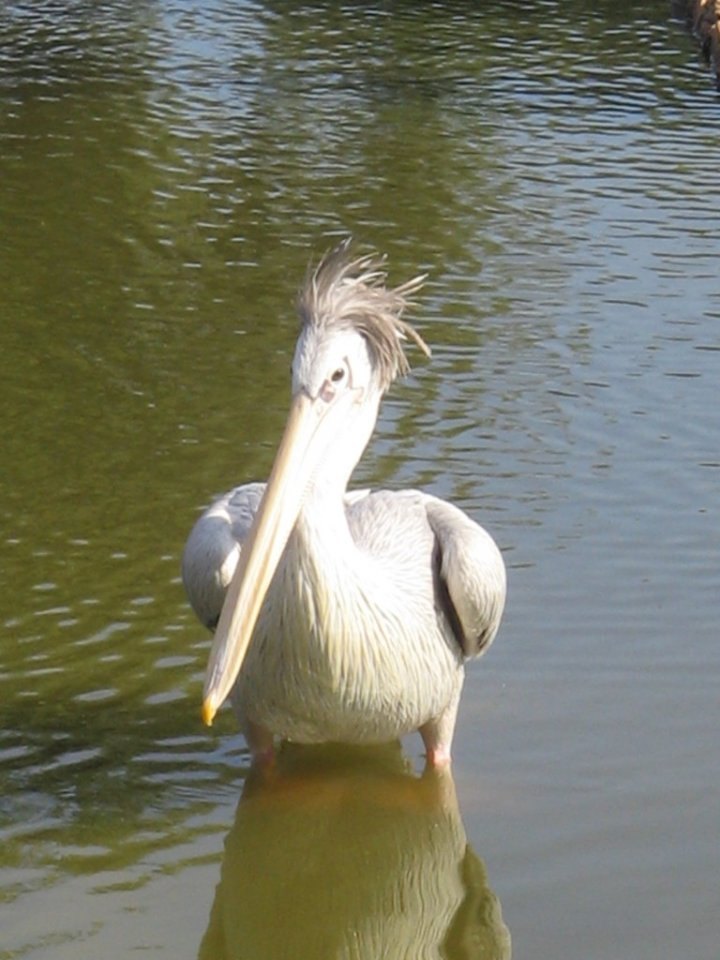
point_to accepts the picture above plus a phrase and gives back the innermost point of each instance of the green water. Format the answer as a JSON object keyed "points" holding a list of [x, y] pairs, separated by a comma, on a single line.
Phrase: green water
{"points": [[167, 171]]}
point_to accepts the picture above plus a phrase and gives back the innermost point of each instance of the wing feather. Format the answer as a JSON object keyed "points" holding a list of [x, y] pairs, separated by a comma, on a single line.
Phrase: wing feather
{"points": [[472, 569], [213, 549]]}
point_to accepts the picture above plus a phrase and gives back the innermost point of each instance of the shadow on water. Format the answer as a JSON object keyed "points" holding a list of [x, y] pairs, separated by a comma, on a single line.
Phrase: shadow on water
{"points": [[348, 853]]}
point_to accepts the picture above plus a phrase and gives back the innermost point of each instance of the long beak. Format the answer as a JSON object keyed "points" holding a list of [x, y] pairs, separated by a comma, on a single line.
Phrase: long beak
{"points": [[261, 552]]}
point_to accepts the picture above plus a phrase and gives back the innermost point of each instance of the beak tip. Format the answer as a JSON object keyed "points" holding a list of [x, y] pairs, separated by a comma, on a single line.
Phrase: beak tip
{"points": [[208, 712]]}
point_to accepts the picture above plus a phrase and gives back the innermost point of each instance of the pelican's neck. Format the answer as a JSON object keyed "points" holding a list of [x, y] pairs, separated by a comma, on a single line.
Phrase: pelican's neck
{"points": [[321, 530], [322, 534], [322, 525]]}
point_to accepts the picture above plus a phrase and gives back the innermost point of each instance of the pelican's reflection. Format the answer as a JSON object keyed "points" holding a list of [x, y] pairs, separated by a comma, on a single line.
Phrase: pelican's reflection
{"points": [[342, 853]]}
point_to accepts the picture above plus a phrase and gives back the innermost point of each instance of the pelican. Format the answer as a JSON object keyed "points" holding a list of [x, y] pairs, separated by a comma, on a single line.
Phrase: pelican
{"points": [[341, 616]]}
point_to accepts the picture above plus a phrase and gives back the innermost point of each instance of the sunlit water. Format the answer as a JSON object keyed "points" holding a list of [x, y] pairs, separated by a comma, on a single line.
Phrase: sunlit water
{"points": [[166, 172]]}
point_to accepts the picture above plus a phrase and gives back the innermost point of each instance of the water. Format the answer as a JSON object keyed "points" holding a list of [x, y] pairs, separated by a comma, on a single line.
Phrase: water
{"points": [[166, 172]]}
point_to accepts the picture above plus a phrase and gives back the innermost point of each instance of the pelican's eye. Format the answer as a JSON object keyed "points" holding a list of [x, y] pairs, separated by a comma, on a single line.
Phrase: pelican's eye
{"points": [[336, 383]]}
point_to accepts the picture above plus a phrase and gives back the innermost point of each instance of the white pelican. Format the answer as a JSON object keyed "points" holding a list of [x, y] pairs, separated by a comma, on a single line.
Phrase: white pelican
{"points": [[361, 607]]}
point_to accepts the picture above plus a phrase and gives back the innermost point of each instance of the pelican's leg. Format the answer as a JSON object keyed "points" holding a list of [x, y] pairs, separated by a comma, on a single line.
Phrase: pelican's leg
{"points": [[260, 742], [437, 734], [437, 748]]}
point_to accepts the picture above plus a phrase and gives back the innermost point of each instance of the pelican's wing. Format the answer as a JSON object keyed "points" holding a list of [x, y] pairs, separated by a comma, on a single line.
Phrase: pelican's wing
{"points": [[434, 543], [213, 548], [471, 569]]}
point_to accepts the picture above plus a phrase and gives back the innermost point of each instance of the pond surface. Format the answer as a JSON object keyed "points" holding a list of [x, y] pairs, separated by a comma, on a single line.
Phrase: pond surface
{"points": [[167, 170]]}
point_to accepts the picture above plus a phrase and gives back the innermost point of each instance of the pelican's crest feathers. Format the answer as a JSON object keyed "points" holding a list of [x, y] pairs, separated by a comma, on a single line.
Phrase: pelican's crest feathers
{"points": [[342, 291]]}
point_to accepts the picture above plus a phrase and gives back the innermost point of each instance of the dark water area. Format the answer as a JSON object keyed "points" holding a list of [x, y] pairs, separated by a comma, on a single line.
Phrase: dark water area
{"points": [[167, 171]]}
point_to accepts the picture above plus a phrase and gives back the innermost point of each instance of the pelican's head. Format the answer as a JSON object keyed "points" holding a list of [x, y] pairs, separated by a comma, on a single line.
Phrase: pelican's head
{"points": [[345, 298], [349, 351]]}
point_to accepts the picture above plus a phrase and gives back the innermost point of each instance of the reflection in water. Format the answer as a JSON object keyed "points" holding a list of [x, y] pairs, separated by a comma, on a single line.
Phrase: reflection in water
{"points": [[342, 852]]}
